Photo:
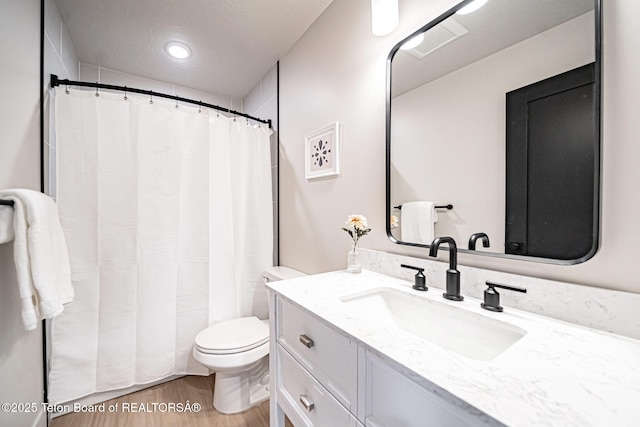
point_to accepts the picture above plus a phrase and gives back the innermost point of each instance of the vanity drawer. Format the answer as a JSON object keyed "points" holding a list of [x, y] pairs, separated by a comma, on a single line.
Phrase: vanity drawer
{"points": [[328, 355], [310, 402]]}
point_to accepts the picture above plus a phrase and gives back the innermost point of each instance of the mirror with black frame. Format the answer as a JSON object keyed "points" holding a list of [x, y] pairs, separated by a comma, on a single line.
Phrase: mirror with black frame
{"points": [[496, 114]]}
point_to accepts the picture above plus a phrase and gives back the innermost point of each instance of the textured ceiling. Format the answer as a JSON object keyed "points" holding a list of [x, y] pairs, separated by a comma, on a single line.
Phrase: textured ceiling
{"points": [[234, 42]]}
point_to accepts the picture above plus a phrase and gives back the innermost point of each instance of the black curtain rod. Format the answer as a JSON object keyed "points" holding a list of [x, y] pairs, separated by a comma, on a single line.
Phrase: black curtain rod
{"points": [[55, 81], [6, 203]]}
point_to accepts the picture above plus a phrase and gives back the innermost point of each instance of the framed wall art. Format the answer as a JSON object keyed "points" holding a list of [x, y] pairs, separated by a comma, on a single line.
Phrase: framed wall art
{"points": [[322, 152]]}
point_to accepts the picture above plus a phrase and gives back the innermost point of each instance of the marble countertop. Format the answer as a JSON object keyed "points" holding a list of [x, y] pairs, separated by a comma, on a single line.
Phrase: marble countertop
{"points": [[558, 374]]}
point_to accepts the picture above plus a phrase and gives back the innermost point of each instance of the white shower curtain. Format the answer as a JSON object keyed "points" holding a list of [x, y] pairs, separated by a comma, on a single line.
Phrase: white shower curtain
{"points": [[168, 218]]}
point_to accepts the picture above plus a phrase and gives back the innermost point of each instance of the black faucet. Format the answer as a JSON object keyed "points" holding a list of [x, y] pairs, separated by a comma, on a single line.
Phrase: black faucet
{"points": [[419, 280], [453, 275], [476, 236], [492, 297]]}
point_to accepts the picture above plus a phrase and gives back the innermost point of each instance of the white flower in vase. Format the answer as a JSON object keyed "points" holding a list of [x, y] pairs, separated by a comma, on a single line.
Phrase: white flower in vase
{"points": [[356, 226]]}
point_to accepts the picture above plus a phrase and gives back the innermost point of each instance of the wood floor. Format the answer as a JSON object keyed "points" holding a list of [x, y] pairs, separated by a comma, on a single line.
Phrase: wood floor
{"points": [[194, 389]]}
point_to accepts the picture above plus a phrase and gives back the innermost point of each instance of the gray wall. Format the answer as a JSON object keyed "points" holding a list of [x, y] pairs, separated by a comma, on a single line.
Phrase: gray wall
{"points": [[21, 372], [336, 71]]}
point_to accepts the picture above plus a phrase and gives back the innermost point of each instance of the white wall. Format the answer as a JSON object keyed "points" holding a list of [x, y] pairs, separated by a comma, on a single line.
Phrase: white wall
{"points": [[337, 72], [96, 73], [21, 373], [61, 59], [262, 102], [433, 155], [60, 55]]}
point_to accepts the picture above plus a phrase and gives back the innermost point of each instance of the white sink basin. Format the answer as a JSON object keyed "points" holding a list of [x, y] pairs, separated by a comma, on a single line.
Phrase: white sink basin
{"points": [[455, 329]]}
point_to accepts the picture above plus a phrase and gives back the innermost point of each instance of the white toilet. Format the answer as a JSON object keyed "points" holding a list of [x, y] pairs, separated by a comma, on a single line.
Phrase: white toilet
{"points": [[238, 351]]}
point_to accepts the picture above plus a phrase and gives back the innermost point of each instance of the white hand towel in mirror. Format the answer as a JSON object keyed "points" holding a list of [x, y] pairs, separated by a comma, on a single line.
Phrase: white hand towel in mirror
{"points": [[417, 221]]}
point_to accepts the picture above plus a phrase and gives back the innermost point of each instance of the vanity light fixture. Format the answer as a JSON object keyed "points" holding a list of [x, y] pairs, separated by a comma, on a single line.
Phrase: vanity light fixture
{"points": [[178, 50], [471, 7], [413, 42], [384, 16]]}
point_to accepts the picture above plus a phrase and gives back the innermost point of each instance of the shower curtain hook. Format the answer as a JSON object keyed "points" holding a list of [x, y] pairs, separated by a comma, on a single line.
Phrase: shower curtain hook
{"points": [[247, 121], [97, 94], [176, 103], [151, 97], [125, 93], [66, 90], [199, 106]]}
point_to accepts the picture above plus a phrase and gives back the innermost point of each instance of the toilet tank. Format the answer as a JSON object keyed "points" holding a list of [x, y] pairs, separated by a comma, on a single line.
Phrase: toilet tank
{"points": [[279, 272]]}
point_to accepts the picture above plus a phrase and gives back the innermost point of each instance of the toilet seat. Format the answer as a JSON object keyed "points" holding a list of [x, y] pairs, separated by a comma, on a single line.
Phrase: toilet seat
{"points": [[233, 336]]}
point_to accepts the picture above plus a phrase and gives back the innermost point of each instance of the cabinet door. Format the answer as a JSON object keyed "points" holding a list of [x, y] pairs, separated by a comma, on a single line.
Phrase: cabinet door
{"points": [[305, 401], [393, 400], [330, 356]]}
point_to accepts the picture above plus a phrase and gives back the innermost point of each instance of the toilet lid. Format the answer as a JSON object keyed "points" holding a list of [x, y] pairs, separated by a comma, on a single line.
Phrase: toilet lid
{"points": [[233, 336]]}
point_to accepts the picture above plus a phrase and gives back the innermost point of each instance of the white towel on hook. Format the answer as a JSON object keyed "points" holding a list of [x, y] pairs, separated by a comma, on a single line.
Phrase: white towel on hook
{"points": [[6, 224], [417, 222], [40, 256]]}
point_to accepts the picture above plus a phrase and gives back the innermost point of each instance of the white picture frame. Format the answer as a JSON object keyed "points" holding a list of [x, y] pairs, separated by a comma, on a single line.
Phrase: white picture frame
{"points": [[322, 152]]}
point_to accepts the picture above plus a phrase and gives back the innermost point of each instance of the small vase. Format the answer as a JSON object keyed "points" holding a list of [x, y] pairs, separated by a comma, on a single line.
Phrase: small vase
{"points": [[353, 261]]}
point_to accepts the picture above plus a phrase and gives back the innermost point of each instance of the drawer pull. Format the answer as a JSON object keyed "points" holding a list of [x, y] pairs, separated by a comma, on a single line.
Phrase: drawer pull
{"points": [[308, 405], [306, 341]]}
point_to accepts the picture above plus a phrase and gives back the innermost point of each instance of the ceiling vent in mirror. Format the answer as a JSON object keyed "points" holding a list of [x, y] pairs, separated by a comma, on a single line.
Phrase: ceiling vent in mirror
{"points": [[438, 36]]}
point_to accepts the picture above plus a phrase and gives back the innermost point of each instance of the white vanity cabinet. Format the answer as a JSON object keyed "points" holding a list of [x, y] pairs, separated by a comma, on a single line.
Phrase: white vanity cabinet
{"points": [[335, 365], [320, 376]]}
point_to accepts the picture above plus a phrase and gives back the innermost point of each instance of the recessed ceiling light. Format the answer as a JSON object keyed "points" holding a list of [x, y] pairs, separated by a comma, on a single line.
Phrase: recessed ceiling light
{"points": [[178, 50], [471, 7]]}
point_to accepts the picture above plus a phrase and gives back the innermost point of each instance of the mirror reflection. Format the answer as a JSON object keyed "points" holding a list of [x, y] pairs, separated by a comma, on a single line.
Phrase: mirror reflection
{"points": [[495, 114]]}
